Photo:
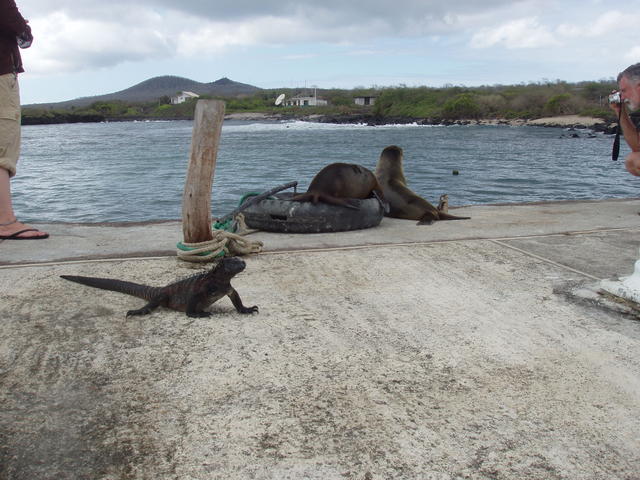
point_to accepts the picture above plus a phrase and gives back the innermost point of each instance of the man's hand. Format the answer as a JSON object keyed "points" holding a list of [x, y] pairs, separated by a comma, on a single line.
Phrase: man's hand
{"points": [[25, 39], [616, 106], [632, 163]]}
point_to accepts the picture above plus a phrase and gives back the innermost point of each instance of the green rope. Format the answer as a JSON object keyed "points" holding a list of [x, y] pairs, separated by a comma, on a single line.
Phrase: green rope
{"points": [[227, 226], [184, 248], [247, 195]]}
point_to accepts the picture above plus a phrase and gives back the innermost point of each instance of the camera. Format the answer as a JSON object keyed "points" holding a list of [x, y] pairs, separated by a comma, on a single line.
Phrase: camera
{"points": [[615, 97], [25, 39]]}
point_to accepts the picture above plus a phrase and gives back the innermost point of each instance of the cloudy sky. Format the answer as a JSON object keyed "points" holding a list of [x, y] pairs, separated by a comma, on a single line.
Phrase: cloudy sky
{"points": [[92, 47]]}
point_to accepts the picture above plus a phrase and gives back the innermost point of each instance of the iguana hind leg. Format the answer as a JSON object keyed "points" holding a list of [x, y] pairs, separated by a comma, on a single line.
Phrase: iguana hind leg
{"points": [[201, 314], [195, 306], [146, 310]]}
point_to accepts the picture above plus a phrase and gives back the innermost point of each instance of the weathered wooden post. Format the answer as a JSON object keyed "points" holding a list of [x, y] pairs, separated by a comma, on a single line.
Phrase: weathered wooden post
{"points": [[196, 200]]}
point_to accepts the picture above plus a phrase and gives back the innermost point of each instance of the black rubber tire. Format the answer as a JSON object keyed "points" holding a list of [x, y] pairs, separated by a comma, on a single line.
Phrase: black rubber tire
{"points": [[280, 214]]}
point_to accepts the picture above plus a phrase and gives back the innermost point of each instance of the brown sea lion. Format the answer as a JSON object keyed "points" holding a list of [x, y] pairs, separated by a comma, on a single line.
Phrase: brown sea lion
{"points": [[338, 182], [404, 203]]}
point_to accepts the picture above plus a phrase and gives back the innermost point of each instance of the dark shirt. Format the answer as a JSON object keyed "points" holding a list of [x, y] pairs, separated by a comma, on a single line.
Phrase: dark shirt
{"points": [[11, 25]]}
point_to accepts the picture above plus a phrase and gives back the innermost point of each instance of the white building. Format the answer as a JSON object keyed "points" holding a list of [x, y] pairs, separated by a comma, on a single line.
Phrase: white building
{"points": [[183, 97], [305, 100], [369, 100]]}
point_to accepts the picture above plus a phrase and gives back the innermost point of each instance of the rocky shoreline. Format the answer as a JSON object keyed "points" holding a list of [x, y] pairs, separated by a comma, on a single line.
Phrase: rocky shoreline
{"points": [[567, 121]]}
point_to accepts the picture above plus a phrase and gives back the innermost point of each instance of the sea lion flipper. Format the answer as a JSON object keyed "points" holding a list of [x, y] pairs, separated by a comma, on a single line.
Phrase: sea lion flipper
{"points": [[443, 205], [426, 222], [428, 218], [315, 198], [302, 197], [342, 202], [448, 216], [351, 204], [386, 207]]}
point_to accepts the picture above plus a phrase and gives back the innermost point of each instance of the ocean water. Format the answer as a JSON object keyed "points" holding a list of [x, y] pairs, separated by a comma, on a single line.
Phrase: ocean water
{"points": [[135, 171]]}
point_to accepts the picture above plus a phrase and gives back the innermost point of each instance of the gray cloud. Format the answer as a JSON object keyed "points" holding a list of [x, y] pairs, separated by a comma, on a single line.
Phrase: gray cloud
{"points": [[399, 13], [90, 34]]}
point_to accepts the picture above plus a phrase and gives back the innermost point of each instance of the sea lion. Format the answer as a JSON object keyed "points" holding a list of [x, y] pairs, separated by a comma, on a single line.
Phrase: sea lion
{"points": [[338, 182], [404, 203]]}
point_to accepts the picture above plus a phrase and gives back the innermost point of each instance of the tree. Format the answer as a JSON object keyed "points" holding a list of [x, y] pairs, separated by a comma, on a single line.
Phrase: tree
{"points": [[559, 105], [461, 106]]}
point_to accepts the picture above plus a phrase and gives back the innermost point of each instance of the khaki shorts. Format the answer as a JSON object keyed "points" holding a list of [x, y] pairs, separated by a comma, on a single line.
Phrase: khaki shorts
{"points": [[9, 122]]}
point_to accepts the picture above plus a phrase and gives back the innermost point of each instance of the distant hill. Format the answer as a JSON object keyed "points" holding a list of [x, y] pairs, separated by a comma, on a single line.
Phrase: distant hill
{"points": [[158, 87]]}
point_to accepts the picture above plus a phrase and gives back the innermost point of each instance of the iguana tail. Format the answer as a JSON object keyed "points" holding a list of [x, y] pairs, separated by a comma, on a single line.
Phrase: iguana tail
{"points": [[130, 288]]}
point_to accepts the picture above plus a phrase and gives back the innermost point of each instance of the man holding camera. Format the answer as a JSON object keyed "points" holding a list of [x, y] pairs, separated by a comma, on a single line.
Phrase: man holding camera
{"points": [[14, 33], [629, 84]]}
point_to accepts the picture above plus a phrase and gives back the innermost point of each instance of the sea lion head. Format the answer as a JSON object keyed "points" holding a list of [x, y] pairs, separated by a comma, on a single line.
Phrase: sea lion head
{"points": [[389, 165]]}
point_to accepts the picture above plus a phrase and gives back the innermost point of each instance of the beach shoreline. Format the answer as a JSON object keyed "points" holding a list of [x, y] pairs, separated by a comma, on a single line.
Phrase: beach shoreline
{"points": [[560, 121]]}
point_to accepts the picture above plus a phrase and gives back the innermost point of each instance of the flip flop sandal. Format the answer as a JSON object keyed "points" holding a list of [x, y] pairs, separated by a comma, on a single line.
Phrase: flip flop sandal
{"points": [[16, 236]]}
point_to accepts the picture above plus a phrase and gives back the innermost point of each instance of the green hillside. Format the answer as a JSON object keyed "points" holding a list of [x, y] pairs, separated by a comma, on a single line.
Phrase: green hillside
{"points": [[450, 103]]}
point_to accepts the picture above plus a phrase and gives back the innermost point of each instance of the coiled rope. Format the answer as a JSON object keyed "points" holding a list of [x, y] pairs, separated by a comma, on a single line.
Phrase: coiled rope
{"points": [[227, 233], [222, 244]]}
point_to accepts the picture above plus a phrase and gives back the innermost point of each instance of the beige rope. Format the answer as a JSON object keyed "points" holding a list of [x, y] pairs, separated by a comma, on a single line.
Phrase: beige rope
{"points": [[222, 241]]}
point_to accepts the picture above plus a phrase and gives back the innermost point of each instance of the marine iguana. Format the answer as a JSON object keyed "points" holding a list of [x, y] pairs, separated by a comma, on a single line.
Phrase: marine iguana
{"points": [[191, 295]]}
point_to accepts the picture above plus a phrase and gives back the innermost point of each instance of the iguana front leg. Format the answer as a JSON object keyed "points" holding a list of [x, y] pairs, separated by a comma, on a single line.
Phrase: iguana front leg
{"points": [[235, 299]]}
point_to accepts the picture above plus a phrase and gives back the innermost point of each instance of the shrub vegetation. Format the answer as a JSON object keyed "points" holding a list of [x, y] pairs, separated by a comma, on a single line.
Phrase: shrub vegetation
{"points": [[527, 101]]}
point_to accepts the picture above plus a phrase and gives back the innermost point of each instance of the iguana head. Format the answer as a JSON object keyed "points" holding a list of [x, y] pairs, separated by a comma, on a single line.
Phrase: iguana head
{"points": [[228, 267]]}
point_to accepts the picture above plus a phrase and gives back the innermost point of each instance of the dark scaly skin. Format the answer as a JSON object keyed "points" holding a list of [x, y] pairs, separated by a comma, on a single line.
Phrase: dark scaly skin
{"points": [[191, 295]]}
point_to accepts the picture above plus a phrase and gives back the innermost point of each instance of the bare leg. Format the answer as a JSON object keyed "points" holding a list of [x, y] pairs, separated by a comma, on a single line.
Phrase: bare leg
{"points": [[7, 217]]}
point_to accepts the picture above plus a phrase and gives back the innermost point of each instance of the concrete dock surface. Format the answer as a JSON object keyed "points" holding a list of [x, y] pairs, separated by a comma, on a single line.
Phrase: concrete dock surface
{"points": [[459, 350]]}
